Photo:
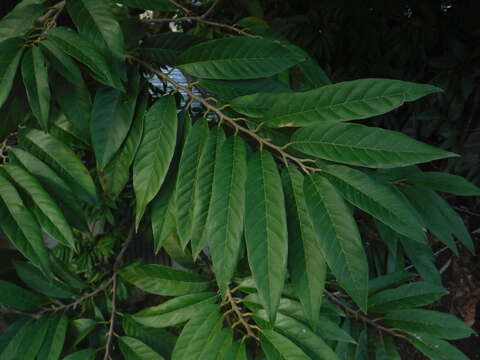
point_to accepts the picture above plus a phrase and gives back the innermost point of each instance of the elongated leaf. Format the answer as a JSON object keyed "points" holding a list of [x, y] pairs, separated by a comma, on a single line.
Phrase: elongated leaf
{"points": [[134, 349], [35, 79], [339, 237], [361, 145], [160, 5], [15, 297], [30, 344], [376, 198], [163, 216], [61, 62], [436, 349], [227, 209], [164, 48], [305, 258], [236, 352], [20, 19], [54, 339], [155, 152], [62, 158], [71, 43], [266, 230], [24, 231], [386, 350], [96, 22], [350, 100], [175, 311], [231, 89], [237, 58], [284, 346], [112, 117], [444, 182], [389, 280], [81, 328], [164, 280], [405, 296], [11, 51], [314, 75], [43, 201], [87, 354]]}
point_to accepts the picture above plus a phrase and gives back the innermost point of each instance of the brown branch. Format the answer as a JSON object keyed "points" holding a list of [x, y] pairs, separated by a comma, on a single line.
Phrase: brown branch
{"points": [[240, 315], [112, 318], [232, 122], [181, 7], [54, 10]]}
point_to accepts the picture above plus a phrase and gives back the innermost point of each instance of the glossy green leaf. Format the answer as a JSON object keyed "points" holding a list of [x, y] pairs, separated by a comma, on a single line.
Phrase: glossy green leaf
{"points": [[155, 152], [43, 201], [96, 22], [164, 280], [284, 346], [134, 349], [63, 159], [61, 62], [305, 258], [11, 51], [175, 311], [164, 48], [160, 5], [436, 349], [227, 209], [444, 182], [15, 297], [231, 89], [52, 347], [405, 296], [20, 19], [87, 354], [376, 198], [339, 237], [266, 229], [237, 58], [356, 144]]}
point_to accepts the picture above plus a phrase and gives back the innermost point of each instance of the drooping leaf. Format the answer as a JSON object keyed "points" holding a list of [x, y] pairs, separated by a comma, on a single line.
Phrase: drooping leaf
{"points": [[227, 209], [61, 62], [11, 51], [356, 144], [339, 237], [444, 182], [237, 58], [54, 339], [134, 349], [286, 348], [175, 311], [15, 297], [305, 258], [237, 351], [81, 328], [154, 153], [376, 198], [344, 101], [20, 19], [266, 230], [163, 216]]}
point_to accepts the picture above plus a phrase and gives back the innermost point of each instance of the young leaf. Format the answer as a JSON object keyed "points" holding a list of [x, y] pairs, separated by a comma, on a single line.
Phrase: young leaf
{"points": [[164, 280], [305, 258], [266, 230], [18, 298], [376, 198], [444, 182], [11, 51], [54, 339], [227, 209], [286, 348], [339, 237], [237, 58], [155, 152], [134, 349]]}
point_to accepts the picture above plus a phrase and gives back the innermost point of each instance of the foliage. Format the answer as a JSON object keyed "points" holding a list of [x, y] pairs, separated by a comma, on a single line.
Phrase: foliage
{"points": [[276, 227]]}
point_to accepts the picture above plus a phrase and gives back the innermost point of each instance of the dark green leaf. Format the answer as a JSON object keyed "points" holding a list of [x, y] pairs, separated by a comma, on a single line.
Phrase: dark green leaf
{"points": [[134, 349], [231, 89], [284, 346], [389, 280], [436, 349], [87, 354], [444, 182], [18, 298], [11, 51], [164, 48], [163, 216], [20, 19], [61, 62], [54, 339], [386, 349]]}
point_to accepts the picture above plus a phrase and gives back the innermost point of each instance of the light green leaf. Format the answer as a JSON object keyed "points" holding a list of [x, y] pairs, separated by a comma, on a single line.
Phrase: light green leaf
{"points": [[305, 258], [155, 152], [444, 182], [237, 58], [175, 311], [356, 144], [159, 5], [134, 349], [436, 349], [15, 297], [405, 296], [87, 354], [231, 89], [227, 209], [61, 62], [339, 237], [64, 160], [376, 198], [284, 346], [266, 230], [54, 339], [11, 51]]}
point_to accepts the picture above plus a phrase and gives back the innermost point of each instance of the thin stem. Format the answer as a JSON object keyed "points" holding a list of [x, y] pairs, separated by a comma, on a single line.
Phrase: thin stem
{"points": [[210, 9], [111, 332], [181, 7], [232, 122], [54, 10]]}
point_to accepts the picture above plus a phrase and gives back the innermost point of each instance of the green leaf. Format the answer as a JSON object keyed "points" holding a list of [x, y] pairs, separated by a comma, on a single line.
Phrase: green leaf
{"points": [[34, 279], [237, 58], [35, 79], [405, 296], [11, 51], [389, 280], [356, 144], [12, 332], [26, 346], [63, 159], [339, 237], [163, 216], [96, 22], [43, 201], [429, 323], [61, 62], [164, 49], [21, 18], [62, 271], [305, 258], [159, 5], [376, 198], [284, 346], [349, 100], [231, 89], [164, 280], [87, 354], [314, 75], [386, 349], [71, 43], [175, 311], [155, 152], [112, 117], [21, 227], [444, 182], [266, 230], [237, 351], [134, 349], [81, 328], [54, 339], [436, 349], [227, 209], [18, 298]]}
